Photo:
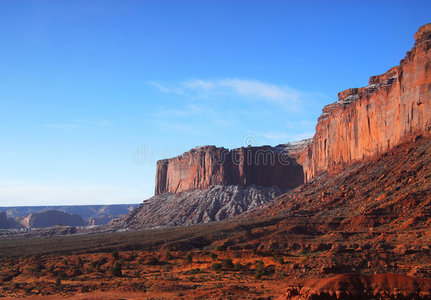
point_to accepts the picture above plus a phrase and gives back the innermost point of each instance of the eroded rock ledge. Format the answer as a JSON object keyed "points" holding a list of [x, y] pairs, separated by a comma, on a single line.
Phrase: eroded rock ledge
{"points": [[203, 167], [369, 121]]}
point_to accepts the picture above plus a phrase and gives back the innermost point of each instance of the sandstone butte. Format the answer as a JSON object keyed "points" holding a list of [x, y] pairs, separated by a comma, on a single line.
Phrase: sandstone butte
{"points": [[364, 122]]}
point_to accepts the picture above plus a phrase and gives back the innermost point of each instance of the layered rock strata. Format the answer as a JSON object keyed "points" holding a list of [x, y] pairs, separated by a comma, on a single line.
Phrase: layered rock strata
{"points": [[203, 167], [369, 121]]}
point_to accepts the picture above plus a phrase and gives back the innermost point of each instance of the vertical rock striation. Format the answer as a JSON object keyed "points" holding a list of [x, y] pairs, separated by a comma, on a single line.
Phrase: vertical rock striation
{"points": [[364, 122], [371, 120], [207, 166]]}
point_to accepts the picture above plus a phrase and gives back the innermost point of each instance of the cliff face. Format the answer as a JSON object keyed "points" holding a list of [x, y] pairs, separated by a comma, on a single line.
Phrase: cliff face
{"points": [[207, 166], [364, 122], [3, 220], [369, 121]]}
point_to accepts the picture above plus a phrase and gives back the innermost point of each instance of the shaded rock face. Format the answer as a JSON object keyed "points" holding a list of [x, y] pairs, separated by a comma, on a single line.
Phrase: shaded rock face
{"points": [[52, 218], [368, 121], [207, 166], [3, 221], [199, 206]]}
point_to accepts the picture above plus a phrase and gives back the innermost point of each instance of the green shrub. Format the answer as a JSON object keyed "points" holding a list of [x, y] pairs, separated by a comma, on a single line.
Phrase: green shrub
{"points": [[227, 263], [216, 266], [259, 272], [116, 270], [193, 271], [153, 261], [115, 255], [237, 267], [279, 259], [58, 281], [189, 258], [222, 248]]}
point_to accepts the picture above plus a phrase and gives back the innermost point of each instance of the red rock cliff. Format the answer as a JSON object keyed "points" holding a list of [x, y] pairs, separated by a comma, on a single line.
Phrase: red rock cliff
{"points": [[369, 121], [206, 166], [364, 122]]}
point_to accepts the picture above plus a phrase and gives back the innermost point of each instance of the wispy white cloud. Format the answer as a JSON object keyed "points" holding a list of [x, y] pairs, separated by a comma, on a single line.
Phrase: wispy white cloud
{"points": [[275, 136], [188, 110], [239, 88], [257, 89], [284, 137], [166, 89]]}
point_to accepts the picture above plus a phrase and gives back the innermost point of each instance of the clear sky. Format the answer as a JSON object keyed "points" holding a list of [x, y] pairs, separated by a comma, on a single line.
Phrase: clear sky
{"points": [[92, 93]]}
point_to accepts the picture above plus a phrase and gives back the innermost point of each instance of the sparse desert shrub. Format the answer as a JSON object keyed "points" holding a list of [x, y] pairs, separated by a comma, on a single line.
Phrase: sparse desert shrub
{"points": [[216, 266], [58, 281], [213, 256], [153, 261], [279, 259], [51, 269], [116, 270], [189, 258], [115, 255], [227, 263], [193, 271], [305, 253], [222, 248], [259, 272], [168, 267], [237, 267], [7, 277], [237, 254], [98, 263], [168, 255]]}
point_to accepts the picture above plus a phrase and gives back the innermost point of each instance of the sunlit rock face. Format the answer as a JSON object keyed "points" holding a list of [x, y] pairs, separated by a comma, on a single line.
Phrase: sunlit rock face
{"points": [[364, 122], [203, 167], [368, 121]]}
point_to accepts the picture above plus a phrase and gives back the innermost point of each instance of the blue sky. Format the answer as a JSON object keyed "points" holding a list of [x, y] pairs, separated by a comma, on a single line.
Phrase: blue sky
{"points": [[92, 93]]}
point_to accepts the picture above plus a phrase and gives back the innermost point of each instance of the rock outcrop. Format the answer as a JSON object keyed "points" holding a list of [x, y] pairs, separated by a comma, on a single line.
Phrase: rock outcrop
{"points": [[203, 167], [3, 221], [51, 218], [369, 121], [364, 123], [199, 206]]}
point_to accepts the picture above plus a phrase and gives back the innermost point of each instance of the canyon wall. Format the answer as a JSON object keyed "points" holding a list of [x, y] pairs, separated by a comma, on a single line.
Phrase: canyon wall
{"points": [[364, 122], [371, 120], [207, 166]]}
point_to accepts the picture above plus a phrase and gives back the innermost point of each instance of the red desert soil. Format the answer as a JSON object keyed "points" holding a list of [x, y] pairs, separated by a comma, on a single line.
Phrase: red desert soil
{"points": [[363, 233]]}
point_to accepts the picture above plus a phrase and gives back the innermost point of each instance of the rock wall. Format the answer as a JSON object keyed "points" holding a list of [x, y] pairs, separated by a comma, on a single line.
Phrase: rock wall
{"points": [[207, 166], [3, 221], [364, 122], [369, 121]]}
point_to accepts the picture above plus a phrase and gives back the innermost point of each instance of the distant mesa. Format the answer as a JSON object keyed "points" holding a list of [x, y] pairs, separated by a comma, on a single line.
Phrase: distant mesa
{"points": [[22, 217], [52, 218]]}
